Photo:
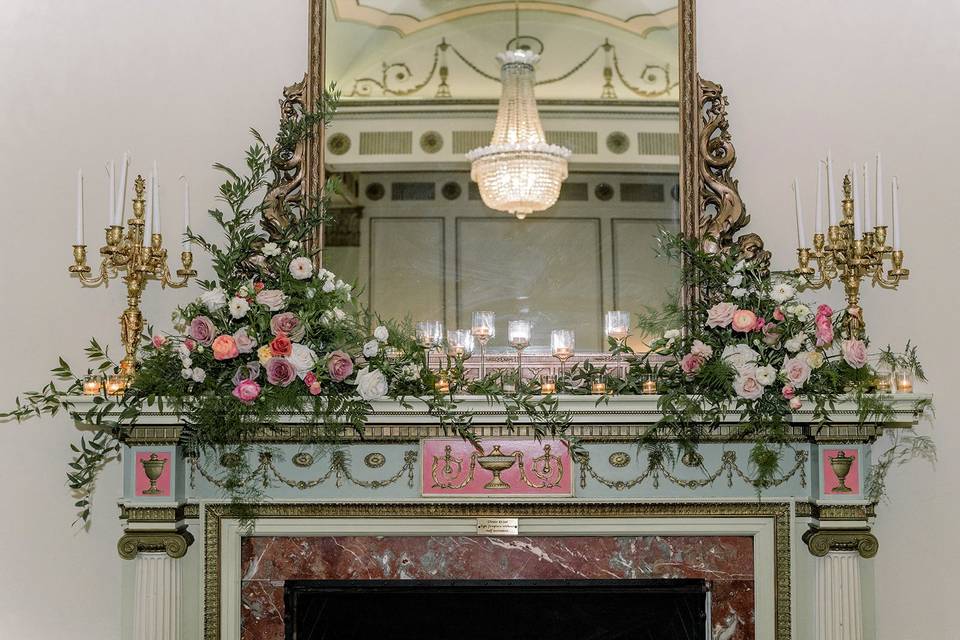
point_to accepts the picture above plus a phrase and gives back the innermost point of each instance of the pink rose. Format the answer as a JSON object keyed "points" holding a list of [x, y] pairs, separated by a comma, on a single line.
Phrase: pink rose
{"points": [[280, 372], [778, 315], [315, 389], [309, 378], [824, 330], [340, 366], [224, 348], [159, 341], [796, 370], [691, 363], [247, 391], [202, 330], [795, 403], [288, 323], [698, 348], [789, 391], [771, 334], [747, 386], [281, 345], [721, 314], [272, 299], [854, 353], [190, 344], [245, 343], [744, 321]]}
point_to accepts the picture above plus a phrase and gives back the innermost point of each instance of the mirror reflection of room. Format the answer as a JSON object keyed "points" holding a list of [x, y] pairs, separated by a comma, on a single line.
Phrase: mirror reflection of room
{"points": [[587, 103]]}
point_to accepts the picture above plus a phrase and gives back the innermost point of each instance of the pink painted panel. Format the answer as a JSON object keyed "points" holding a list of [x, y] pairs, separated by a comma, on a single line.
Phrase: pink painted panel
{"points": [[143, 487], [453, 467], [832, 482]]}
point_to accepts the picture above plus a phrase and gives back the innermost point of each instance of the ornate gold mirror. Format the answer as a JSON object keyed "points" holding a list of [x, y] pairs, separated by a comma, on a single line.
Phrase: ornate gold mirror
{"points": [[630, 135]]}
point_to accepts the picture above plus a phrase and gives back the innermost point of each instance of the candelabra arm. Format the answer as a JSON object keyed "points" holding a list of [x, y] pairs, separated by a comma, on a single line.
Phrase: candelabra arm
{"points": [[82, 270], [183, 274]]}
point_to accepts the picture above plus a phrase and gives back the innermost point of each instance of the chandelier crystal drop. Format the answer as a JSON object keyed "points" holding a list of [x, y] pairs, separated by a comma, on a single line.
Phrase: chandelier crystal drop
{"points": [[518, 172]]}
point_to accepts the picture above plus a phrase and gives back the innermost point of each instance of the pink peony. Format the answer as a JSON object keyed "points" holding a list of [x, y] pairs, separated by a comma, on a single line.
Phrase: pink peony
{"points": [[747, 386], [202, 330], [824, 330], [159, 341], [698, 348], [280, 372], [789, 391], [224, 348], [691, 363], [854, 353], [744, 321], [796, 370], [246, 391], [340, 366], [288, 323], [720, 314], [795, 403], [245, 343]]}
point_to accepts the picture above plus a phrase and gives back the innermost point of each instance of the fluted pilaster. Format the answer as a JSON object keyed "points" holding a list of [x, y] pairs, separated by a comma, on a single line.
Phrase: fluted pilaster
{"points": [[839, 607], [156, 599]]}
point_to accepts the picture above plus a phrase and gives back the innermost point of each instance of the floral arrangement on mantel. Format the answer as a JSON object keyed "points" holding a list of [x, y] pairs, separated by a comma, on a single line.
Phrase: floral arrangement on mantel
{"points": [[273, 335]]}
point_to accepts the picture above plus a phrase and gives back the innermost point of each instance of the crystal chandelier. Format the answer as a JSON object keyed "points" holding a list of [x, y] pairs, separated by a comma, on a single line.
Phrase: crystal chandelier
{"points": [[518, 172]]}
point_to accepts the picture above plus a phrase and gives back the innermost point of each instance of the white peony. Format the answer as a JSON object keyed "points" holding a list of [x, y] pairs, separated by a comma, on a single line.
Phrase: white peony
{"points": [[239, 307], [371, 384], [740, 356], [735, 280], [303, 358], [199, 375], [782, 292], [301, 268], [270, 249], [795, 343], [371, 348], [213, 299], [766, 375], [381, 333], [410, 372]]}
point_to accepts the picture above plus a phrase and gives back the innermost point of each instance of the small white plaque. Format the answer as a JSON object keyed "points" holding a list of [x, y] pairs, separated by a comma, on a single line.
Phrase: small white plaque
{"points": [[497, 526]]}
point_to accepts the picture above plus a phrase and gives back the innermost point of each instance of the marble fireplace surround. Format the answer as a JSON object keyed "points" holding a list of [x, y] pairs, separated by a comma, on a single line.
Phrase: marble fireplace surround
{"points": [[662, 539]]}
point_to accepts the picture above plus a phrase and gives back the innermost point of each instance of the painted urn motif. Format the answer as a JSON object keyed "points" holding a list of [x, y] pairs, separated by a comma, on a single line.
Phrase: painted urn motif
{"points": [[153, 468], [496, 462], [841, 464]]}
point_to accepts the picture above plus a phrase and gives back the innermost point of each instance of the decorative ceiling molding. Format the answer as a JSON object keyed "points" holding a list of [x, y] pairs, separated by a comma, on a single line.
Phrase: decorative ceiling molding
{"points": [[393, 18]]}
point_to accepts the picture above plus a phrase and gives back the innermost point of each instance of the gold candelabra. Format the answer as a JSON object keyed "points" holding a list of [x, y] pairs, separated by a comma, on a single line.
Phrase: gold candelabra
{"points": [[843, 256], [125, 251]]}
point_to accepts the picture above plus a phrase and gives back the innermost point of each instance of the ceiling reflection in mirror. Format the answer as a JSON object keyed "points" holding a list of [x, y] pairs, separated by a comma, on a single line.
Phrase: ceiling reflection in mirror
{"points": [[421, 86]]}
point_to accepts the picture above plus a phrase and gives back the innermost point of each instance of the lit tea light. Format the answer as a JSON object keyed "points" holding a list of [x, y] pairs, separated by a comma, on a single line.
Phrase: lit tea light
{"points": [[598, 388], [518, 333], [460, 343], [904, 383], [92, 385], [617, 324], [484, 326], [649, 387], [562, 342], [548, 385], [116, 385], [442, 385]]}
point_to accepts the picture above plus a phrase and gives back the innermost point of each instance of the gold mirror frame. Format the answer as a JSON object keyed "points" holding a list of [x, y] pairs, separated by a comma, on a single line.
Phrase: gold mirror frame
{"points": [[711, 207]]}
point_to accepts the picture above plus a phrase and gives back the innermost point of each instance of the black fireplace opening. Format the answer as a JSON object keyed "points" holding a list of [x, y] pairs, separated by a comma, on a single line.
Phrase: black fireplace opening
{"points": [[497, 609]]}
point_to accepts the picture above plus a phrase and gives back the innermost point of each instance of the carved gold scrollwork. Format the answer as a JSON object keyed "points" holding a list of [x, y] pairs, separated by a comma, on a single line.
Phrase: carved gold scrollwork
{"points": [[285, 190], [444, 476], [823, 541], [173, 543], [548, 469]]}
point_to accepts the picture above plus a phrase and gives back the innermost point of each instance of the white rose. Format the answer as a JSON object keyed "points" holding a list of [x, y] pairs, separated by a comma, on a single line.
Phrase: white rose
{"points": [[371, 385], [795, 343], [182, 351], [199, 375], [270, 249], [766, 375], [302, 358], [782, 292], [343, 286], [410, 372], [735, 280], [329, 286], [325, 274], [381, 333], [301, 268], [671, 334], [740, 356], [738, 292], [186, 362], [186, 373], [747, 386], [239, 307], [272, 299], [213, 299], [371, 348]]}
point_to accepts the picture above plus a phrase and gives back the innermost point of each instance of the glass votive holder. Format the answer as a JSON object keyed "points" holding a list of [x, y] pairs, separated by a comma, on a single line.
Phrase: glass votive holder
{"points": [[562, 342], [116, 385], [484, 326], [598, 388], [92, 384], [617, 324], [548, 384], [518, 333], [649, 385], [442, 385], [460, 343], [429, 333], [904, 381]]}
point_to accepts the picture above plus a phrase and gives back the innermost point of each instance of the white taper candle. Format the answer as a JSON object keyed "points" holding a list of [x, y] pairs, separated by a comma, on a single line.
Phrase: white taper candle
{"points": [[156, 198], [818, 223], [831, 192], [186, 213], [122, 190], [148, 213], [896, 213], [867, 214], [79, 207], [880, 217], [111, 179], [857, 216], [801, 232]]}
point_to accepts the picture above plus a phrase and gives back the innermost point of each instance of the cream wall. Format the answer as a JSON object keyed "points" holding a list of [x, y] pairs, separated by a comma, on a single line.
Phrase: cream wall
{"points": [[180, 81]]}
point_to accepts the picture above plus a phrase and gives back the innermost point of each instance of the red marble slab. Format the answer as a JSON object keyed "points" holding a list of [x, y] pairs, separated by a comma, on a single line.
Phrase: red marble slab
{"points": [[725, 561]]}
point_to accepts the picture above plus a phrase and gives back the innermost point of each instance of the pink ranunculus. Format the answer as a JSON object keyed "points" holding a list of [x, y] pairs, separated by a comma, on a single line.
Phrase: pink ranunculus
{"points": [[824, 329], [691, 363], [854, 353], [280, 372], [159, 341], [795, 403], [698, 348], [246, 391], [340, 366], [202, 330], [789, 391], [778, 315], [224, 347], [797, 371], [720, 314], [747, 386], [288, 323], [744, 321], [245, 343]]}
